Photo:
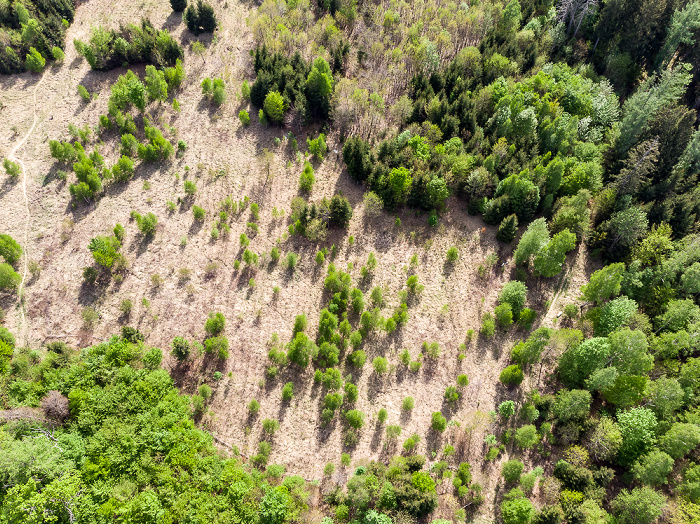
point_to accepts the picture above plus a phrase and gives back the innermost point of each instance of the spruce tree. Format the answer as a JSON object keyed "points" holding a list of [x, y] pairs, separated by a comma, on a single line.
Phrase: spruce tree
{"points": [[507, 229]]}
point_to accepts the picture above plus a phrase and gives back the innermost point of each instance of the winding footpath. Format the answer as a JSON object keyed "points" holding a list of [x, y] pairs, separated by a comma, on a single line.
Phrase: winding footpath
{"points": [[22, 331]]}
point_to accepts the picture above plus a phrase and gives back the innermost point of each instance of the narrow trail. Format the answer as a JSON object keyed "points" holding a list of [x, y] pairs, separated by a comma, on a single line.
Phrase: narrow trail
{"points": [[22, 332]]}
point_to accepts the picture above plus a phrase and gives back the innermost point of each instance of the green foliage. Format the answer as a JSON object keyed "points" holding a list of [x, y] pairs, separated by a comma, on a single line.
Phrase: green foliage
{"points": [[639, 506], [637, 426], [504, 315], [307, 179], [355, 418], [10, 250], [549, 260], [507, 229], [572, 405], [215, 323], [506, 408], [407, 404], [512, 470], [198, 213], [511, 375], [438, 422], [288, 391], [513, 293], [200, 18], [317, 146], [274, 107], [180, 348], [13, 169], [217, 345], [9, 279], [535, 237]]}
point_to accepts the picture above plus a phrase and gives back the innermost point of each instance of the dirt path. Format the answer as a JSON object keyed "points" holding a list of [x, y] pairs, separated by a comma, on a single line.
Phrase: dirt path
{"points": [[22, 332]]}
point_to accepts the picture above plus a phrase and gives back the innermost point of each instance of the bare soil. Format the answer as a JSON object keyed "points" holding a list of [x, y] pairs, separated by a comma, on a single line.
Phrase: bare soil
{"points": [[224, 159]]}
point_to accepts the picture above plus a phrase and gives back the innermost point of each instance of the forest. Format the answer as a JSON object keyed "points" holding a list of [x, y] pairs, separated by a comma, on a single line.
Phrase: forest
{"points": [[559, 138]]}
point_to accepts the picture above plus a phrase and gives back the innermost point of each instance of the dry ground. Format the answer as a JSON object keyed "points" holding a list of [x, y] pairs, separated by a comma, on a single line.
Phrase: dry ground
{"points": [[223, 158]]}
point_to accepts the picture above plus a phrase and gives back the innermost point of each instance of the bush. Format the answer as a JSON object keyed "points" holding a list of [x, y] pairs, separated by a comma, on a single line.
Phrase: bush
{"points": [[506, 408], [411, 442], [253, 407], [198, 213], [244, 117], [515, 294], [381, 365], [35, 62], [274, 107], [526, 437], [215, 323], [181, 348], [504, 315], [307, 179], [11, 168], [438, 422], [291, 260], [58, 54], [407, 404], [146, 223], [270, 426], [512, 470], [373, 205], [10, 250], [190, 188], [218, 345], [488, 325], [9, 279], [355, 418], [512, 375], [452, 254], [462, 381], [288, 391], [317, 146], [84, 93], [357, 358]]}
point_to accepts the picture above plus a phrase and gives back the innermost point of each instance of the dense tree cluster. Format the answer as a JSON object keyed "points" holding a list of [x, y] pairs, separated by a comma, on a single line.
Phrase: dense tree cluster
{"points": [[32, 31]]}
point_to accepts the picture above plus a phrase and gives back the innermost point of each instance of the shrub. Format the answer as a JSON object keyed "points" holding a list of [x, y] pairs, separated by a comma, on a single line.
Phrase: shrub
{"points": [[11, 168], [198, 213], [35, 61], [381, 365], [462, 381], [488, 325], [320, 258], [190, 188], [515, 294], [146, 223], [10, 250], [317, 146], [373, 205], [215, 323], [83, 93], [512, 375], [407, 404], [639, 506], [274, 107], [288, 391], [270, 426], [452, 254], [300, 323], [506, 408], [58, 54], [9, 279], [512, 470], [291, 260], [382, 415], [526, 436], [504, 315], [218, 345], [411, 442], [438, 422], [253, 407], [244, 117], [181, 348], [355, 418], [571, 311], [306, 179], [357, 358]]}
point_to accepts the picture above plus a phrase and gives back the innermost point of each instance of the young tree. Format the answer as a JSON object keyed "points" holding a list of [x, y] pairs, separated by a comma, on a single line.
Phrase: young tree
{"points": [[550, 259], [536, 236], [156, 86], [512, 470], [680, 439], [274, 107], [638, 427], [507, 229], [572, 405], [515, 294], [653, 468], [178, 5], [604, 283], [10, 250]]}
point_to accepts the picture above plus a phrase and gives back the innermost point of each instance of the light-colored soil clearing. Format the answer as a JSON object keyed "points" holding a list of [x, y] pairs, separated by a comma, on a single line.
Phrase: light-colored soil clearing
{"points": [[225, 159]]}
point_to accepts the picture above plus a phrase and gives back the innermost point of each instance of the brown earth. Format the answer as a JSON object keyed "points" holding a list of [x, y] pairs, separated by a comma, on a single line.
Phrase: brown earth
{"points": [[224, 159]]}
